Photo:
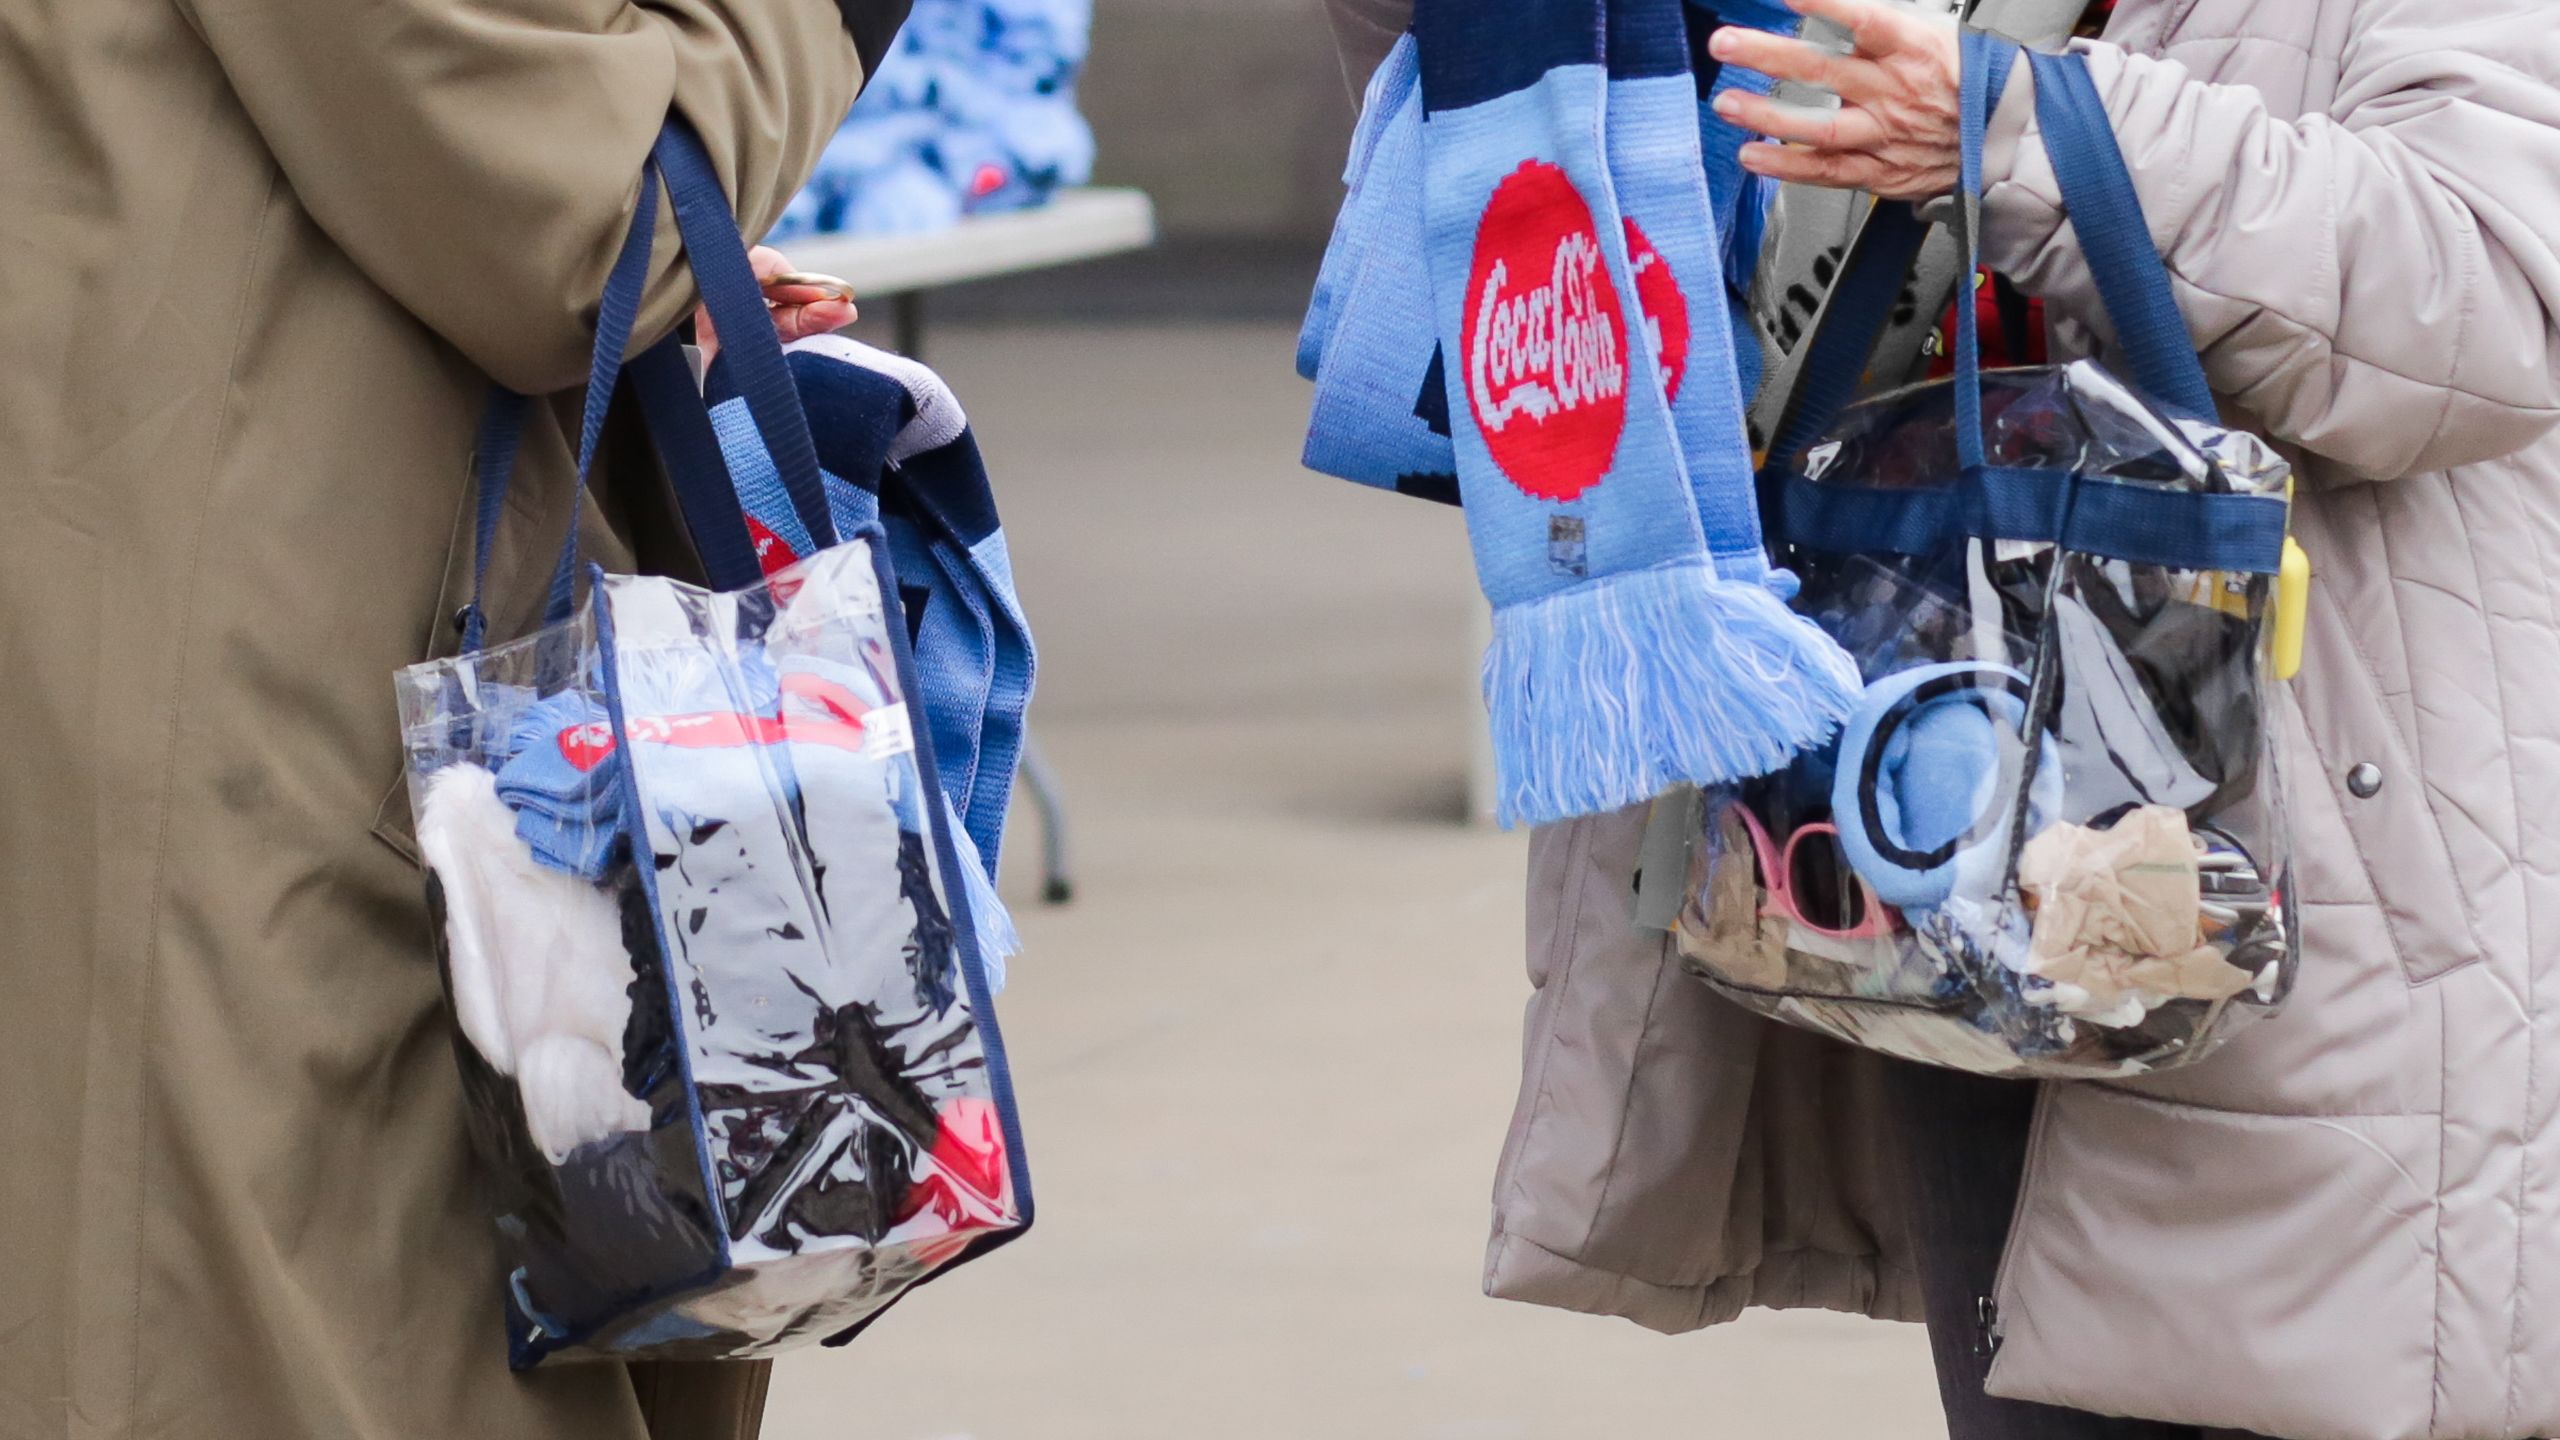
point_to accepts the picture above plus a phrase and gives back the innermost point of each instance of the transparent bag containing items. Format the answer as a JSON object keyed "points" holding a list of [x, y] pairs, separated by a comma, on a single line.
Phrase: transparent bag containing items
{"points": [[727, 1045], [2051, 839], [719, 1035]]}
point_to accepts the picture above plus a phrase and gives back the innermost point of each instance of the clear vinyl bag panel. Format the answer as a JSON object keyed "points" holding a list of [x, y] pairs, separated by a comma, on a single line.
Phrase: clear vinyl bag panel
{"points": [[729, 1057], [718, 1027], [2051, 839]]}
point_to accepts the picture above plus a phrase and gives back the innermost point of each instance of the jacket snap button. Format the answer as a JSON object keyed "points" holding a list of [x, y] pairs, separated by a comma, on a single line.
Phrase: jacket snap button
{"points": [[2365, 781]]}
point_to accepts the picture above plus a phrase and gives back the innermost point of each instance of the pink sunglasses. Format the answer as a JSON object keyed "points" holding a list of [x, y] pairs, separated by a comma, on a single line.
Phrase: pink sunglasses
{"points": [[1811, 882]]}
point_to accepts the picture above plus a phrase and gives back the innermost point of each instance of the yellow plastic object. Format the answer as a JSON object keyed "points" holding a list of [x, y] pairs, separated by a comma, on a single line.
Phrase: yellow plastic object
{"points": [[2293, 609]]}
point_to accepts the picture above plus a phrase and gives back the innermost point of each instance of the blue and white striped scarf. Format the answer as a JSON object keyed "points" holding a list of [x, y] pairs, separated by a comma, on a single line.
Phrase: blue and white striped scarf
{"points": [[894, 446]]}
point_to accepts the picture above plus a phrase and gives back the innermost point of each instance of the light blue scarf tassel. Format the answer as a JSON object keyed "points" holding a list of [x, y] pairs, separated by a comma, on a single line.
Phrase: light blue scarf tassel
{"points": [[1614, 692]]}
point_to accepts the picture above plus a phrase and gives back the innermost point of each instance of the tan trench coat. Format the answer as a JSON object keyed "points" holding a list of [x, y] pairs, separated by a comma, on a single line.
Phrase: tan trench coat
{"points": [[2346, 1227], [259, 260]]}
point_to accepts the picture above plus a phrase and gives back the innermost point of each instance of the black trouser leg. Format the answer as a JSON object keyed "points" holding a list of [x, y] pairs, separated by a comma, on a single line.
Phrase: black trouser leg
{"points": [[1965, 1153]]}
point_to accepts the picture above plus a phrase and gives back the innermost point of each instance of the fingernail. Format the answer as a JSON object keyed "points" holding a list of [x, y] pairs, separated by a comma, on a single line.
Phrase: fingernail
{"points": [[1728, 104], [1720, 44]]}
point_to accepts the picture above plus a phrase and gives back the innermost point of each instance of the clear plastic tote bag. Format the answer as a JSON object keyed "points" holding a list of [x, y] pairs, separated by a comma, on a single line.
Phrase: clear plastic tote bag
{"points": [[725, 1035], [2051, 839]]}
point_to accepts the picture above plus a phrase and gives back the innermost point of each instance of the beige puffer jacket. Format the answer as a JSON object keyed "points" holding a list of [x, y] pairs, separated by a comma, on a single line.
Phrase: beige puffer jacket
{"points": [[2347, 1226]]}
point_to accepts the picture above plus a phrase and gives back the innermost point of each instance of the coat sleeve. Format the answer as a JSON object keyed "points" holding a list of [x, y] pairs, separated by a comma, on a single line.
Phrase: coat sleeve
{"points": [[2378, 284], [480, 159]]}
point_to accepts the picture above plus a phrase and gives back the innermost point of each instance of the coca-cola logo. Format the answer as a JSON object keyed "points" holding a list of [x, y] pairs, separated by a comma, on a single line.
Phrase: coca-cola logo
{"points": [[1666, 310], [813, 711], [773, 553], [587, 746], [1545, 337]]}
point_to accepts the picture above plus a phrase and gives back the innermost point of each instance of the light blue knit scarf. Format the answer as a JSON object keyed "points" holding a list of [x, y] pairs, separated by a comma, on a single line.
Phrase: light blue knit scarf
{"points": [[1640, 640]]}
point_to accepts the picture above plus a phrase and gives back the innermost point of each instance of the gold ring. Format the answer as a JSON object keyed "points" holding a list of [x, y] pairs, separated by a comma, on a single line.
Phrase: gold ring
{"points": [[805, 280]]}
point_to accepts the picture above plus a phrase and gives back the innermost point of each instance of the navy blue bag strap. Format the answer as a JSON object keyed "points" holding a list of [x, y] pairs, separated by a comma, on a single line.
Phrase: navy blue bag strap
{"points": [[1871, 281], [663, 382], [2140, 523], [750, 348], [502, 427], [2106, 218], [2144, 524], [1987, 63], [493, 461]]}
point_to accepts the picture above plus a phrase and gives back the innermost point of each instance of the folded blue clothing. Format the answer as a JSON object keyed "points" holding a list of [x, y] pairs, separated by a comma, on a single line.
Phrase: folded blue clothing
{"points": [[895, 447], [563, 779]]}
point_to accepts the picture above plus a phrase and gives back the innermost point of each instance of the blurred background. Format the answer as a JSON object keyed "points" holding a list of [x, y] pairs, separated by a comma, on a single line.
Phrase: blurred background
{"points": [[1268, 1052]]}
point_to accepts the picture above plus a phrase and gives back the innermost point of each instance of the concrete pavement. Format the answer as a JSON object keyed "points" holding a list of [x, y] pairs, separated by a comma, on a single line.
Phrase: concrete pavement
{"points": [[1267, 1057]]}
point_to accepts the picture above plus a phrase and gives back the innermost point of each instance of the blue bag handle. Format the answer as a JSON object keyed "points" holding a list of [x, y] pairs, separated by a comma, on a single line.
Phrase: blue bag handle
{"points": [[2140, 523], [2106, 218], [1985, 68], [502, 426], [748, 342], [663, 382]]}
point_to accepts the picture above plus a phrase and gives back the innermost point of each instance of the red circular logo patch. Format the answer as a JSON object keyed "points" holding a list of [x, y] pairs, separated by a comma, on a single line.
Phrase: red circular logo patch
{"points": [[1545, 337], [1666, 310]]}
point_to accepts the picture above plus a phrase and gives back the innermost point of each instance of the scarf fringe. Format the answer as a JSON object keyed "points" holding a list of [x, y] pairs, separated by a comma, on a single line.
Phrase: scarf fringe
{"points": [[1615, 691]]}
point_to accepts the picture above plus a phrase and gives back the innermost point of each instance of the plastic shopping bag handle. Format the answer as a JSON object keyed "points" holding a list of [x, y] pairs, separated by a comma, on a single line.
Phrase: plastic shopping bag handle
{"points": [[662, 381], [502, 425], [748, 341], [2106, 218], [2183, 529]]}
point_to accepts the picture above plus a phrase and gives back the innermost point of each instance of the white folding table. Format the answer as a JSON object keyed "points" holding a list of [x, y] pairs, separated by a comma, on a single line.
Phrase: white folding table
{"points": [[1081, 224]]}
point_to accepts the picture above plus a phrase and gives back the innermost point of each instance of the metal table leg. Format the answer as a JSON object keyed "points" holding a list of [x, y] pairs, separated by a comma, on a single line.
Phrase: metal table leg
{"points": [[1057, 882], [907, 314]]}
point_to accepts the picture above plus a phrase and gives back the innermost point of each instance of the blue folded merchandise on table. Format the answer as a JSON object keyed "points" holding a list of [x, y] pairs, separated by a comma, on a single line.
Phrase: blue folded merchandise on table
{"points": [[973, 112]]}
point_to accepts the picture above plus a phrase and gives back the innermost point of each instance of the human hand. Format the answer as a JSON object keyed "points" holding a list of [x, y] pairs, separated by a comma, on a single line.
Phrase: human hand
{"points": [[1897, 133], [799, 311]]}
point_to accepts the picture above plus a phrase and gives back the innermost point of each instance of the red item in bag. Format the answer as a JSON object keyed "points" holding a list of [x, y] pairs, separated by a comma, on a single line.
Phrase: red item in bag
{"points": [[2011, 324]]}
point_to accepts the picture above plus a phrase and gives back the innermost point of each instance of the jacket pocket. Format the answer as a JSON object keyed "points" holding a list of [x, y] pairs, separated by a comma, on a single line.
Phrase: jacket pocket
{"points": [[2161, 1266], [2366, 827]]}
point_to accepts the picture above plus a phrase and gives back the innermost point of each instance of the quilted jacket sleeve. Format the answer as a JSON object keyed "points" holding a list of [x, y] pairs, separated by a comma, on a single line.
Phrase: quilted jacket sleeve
{"points": [[479, 159], [2378, 284]]}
